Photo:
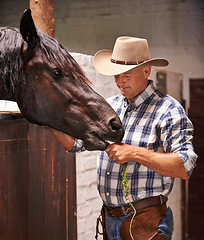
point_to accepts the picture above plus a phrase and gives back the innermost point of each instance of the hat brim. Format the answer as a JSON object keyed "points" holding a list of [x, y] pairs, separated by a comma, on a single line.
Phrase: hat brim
{"points": [[103, 64]]}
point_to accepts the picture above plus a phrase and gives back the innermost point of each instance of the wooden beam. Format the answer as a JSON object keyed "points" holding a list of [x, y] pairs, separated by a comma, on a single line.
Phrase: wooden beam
{"points": [[43, 15]]}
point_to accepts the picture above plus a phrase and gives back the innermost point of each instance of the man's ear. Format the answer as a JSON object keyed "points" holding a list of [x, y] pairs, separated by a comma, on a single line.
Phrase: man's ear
{"points": [[147, 71], [28, 29]]}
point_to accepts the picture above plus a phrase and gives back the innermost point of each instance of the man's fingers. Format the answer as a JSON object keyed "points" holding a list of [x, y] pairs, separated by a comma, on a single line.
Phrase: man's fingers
{"points": [[109, 147]]}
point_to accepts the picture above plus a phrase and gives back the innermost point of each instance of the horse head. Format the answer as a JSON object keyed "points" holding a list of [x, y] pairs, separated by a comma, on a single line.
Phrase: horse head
{"points": [[56, 93]]}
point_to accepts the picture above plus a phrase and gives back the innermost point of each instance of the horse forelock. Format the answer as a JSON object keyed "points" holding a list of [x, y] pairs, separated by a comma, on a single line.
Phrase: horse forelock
{"points": [[55, 52]]}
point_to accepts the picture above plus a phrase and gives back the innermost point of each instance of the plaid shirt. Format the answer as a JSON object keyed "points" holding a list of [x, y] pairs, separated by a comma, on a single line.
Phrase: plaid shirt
{"points": [[155, 121]]}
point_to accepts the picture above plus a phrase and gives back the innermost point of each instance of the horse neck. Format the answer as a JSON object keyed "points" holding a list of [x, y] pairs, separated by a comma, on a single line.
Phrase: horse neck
{"points": [[11, 63]]}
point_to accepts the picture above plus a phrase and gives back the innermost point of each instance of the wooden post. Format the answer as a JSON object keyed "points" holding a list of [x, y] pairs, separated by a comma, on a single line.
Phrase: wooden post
{"points": [[43, 15]]}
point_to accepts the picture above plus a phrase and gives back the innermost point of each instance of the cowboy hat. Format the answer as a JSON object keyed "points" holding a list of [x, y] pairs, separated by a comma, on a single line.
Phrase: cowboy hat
{"points": [[128, 53]]}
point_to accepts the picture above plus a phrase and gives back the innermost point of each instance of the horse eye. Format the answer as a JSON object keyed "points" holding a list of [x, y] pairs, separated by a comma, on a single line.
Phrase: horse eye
{"points": [[57, 72]]}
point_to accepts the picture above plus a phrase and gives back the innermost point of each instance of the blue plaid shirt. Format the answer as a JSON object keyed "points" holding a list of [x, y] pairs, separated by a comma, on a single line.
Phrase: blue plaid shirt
{"points": [[155, 121]]}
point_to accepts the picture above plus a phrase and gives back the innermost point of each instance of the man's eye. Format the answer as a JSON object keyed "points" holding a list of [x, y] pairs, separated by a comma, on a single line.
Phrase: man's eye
{"points": [[57, 72], [126, 76]]}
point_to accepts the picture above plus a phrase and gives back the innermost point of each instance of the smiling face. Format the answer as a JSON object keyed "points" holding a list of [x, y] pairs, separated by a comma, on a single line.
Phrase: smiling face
{"points": [[133, 82]]}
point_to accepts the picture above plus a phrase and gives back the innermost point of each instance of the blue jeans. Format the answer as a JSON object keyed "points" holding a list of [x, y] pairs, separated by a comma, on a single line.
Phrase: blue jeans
{"points": [[165, 226]]}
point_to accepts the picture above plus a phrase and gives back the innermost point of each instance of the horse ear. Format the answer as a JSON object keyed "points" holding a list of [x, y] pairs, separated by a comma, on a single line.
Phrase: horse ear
{"points": [[28, 29]]}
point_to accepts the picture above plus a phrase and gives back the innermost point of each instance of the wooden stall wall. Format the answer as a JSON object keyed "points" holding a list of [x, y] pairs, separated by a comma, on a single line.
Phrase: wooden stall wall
{"points": [[196, 193], [37, 183]]}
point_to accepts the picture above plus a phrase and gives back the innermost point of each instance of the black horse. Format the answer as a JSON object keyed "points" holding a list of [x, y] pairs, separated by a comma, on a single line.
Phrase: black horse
{"points": [[50, 88]]}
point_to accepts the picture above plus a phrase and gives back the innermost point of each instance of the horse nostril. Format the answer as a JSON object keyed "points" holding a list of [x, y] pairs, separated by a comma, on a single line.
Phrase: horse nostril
{"points": [[115, 124]]}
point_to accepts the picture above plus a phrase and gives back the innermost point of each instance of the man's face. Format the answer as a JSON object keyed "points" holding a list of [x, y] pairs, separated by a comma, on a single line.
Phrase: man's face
{"points": [[133, 82]]}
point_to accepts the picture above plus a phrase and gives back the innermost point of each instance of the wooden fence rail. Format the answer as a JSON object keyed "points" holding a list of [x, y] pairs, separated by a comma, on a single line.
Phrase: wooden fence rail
{"points": [[37, 183]]}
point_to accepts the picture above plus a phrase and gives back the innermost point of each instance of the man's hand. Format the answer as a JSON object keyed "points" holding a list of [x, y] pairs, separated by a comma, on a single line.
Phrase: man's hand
{"points": [[121, 153]]}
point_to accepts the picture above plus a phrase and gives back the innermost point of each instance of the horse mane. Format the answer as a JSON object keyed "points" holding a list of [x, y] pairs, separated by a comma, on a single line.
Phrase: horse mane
{"points": [[11, 60], [55, 52]]}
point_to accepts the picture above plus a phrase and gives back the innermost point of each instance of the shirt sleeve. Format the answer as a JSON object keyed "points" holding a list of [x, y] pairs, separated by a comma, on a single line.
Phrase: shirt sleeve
{"points": [[78, 146], [177, 136]]}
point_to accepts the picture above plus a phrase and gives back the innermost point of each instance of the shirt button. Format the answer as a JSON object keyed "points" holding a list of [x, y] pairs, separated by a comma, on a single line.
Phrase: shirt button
{"points": [[107, 193], [108, 173]]}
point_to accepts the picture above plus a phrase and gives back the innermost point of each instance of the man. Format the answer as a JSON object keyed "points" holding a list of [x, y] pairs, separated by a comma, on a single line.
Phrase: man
{"points": [[156, 148]]}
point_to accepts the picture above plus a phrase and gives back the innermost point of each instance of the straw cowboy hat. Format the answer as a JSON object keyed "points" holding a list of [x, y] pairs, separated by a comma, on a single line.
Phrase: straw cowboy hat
{"points": [[128, 53]]}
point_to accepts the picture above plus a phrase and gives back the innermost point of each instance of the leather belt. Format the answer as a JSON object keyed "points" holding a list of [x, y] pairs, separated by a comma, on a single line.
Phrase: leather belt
{"points": [[141, 204]]}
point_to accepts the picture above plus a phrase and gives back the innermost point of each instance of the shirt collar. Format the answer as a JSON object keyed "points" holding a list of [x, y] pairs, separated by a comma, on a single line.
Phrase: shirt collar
{"points": [[140, 98]]}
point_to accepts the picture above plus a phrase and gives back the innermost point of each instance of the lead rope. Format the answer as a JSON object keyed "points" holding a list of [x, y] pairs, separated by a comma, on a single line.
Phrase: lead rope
{"points": [[125, 186], [130, 228]]}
